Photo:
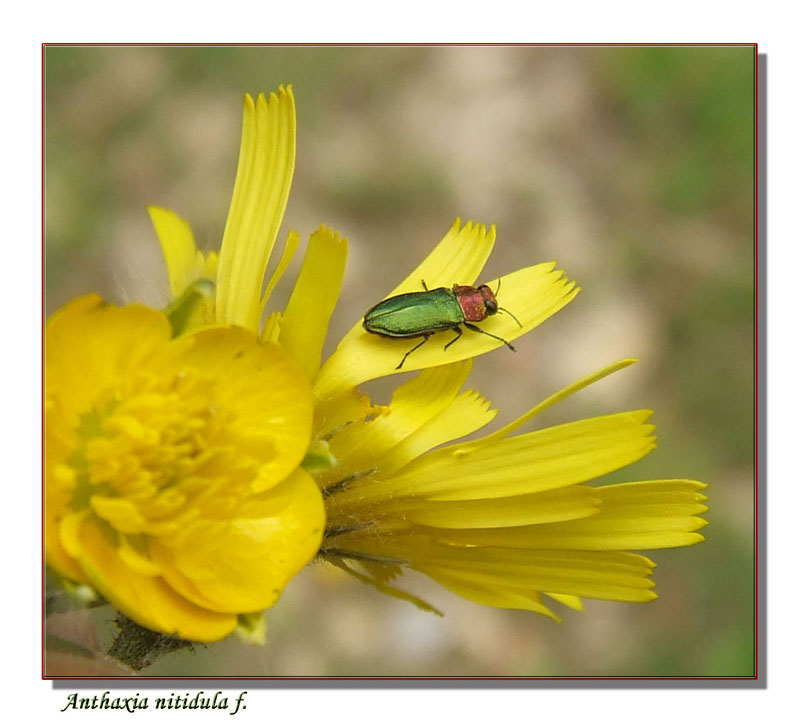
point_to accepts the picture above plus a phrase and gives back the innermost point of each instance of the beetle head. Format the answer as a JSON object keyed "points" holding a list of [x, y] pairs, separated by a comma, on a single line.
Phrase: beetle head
{"points": [[489, 300]]}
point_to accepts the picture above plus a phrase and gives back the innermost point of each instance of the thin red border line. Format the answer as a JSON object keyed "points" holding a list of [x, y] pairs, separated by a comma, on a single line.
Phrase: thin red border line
{"points": [[41, 599], [409, 678], [756, 386], [358, 44]]}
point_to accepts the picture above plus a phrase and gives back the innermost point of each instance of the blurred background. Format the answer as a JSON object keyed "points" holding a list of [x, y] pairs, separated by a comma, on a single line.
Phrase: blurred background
{"points": [[633, 167]]}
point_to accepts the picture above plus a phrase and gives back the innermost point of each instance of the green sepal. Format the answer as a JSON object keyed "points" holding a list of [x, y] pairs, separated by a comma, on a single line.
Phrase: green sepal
{"points": [[181, 310], [319, 458], [252, 628]]}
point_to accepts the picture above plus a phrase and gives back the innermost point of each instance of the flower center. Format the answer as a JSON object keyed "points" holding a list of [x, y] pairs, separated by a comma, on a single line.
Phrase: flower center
{"points": [[149, 448]]}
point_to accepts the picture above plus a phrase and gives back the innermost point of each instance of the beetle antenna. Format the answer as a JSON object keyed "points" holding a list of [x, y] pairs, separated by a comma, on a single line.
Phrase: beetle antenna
{"points": [[499, 281], [500, 308]]}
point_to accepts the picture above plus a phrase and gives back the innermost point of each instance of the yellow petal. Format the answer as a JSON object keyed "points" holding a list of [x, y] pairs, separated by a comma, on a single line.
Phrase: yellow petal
{"points": [[378, 577], [179, 249], [532, 294], [493, 595], [467, 413], [122, 514], [546, 459], [601, 575], [146, 599], [57, 556], [361, 445], [587, 535], [556, 505], [305, 321], [666, 495], [58, 489], [457, 259], [333, 414], [639, 516], [292, 240], [461, 254], [273, 418], [91, 346], [272, 328], [631, 516], [135, 559], [260, 193], [605, 575], [243, 564], [554, 399], [571, 601], [69, 531]]}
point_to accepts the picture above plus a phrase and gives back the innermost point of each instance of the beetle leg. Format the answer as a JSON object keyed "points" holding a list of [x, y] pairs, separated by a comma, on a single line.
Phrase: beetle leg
{"points": [[403, 361], [472, 327], [459, 332], [424, 285]]}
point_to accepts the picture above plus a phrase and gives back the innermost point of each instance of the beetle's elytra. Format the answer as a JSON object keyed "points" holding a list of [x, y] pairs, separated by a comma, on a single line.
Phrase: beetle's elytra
{"points": [[424, 313]]}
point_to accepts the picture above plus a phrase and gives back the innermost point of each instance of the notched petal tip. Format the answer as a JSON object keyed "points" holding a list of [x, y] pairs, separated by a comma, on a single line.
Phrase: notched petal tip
{"points": [[261, 189], [305, 320]]}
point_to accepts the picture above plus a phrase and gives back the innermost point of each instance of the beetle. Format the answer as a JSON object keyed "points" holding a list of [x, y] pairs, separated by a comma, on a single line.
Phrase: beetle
{"points": [[424, 313]]}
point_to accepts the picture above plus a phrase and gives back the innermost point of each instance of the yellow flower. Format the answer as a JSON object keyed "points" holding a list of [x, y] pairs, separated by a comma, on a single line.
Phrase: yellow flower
{"points": [[173, 484], [502, 520], [172, 480]]}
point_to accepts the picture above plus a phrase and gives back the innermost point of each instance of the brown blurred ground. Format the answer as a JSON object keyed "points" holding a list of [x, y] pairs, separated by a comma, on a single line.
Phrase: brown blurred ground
{"points": [[632, 167]]}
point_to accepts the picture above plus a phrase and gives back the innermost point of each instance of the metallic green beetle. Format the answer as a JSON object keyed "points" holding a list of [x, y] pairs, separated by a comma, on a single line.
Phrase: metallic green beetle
{"points": [[423, 313]]}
